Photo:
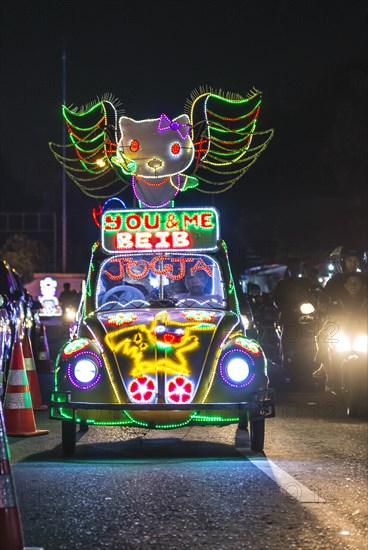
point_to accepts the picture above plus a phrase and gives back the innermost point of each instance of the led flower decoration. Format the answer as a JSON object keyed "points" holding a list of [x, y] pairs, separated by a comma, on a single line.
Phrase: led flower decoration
{"points": [[142, 389], [179, 390]]}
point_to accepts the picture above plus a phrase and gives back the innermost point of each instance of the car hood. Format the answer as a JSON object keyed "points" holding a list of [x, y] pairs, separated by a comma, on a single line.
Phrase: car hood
{"points": [[163, 355]]}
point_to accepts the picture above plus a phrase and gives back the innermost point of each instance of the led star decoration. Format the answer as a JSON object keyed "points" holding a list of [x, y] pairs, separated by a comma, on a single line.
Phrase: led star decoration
{"points": [[208, 148]]}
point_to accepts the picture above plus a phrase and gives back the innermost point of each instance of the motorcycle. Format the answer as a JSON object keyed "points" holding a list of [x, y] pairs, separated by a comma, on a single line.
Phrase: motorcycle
{"points": [[348, 353], [264, 314], [296, 329]]}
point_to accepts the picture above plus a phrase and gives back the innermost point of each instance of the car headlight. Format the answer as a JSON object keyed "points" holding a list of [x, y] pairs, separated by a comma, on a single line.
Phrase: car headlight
{"points": [[360, 344], [85, 370], [307, 308], [236, 367]]}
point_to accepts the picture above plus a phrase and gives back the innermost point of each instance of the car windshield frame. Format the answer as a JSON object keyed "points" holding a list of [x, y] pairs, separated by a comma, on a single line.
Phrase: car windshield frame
{"points": [[160, 280]]}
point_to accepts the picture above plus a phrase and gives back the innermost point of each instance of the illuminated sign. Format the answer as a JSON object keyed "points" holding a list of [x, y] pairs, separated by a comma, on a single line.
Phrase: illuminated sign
{"points": [[178, 229], [172, 267]]}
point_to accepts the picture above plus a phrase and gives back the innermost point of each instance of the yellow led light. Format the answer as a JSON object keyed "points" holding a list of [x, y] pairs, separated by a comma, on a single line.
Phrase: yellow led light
{"points": [[140, 344], [111, 378]]}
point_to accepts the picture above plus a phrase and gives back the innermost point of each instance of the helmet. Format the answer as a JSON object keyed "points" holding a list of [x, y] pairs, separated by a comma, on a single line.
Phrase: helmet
{"points": [[294, 268], [338, 257]]}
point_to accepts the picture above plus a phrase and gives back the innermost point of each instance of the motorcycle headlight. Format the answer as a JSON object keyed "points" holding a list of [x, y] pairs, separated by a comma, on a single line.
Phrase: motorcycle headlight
{"points": [[343, 344], [360, 344], [307, 308], [245, 321], [70, 314]]}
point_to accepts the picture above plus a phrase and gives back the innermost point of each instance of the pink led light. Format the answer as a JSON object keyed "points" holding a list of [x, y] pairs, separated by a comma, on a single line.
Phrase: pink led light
{"points": [[142, 389], [177, 189], [165, 123], [179, 390]]}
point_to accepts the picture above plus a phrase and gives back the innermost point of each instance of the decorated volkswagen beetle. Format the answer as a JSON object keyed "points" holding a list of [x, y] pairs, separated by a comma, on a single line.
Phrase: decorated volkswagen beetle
{"points": [[160, 341]]}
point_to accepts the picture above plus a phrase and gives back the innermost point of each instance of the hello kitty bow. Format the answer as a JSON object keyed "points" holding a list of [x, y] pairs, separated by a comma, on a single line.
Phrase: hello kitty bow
{"points": [[165, 123]]}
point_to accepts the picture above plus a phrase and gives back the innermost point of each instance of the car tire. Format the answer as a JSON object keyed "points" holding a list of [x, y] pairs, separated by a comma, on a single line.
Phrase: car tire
{"points": [[68, 437], [257, 433], [357, 410], [243, 422]]}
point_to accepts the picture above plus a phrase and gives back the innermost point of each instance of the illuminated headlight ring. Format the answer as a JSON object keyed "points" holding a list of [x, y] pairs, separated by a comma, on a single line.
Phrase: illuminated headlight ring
{"points": [[235, 368], [85, 371]]}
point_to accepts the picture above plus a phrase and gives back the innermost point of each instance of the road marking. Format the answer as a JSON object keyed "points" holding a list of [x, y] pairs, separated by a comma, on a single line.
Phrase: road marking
{"points": [[284, 480]]}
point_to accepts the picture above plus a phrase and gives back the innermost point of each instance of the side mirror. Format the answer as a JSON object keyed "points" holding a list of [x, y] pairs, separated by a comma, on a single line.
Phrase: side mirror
{"points": [[253, 290]]}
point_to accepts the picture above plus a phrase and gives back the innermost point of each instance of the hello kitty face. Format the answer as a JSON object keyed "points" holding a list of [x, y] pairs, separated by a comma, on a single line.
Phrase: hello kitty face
{"points": [[48, 287], [156, 148]]}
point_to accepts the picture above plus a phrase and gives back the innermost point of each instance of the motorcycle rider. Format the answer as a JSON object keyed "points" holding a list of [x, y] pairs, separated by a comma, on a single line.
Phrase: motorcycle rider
{"points": [[289, 293], [351, 305], [347, 260], [68, 298]]}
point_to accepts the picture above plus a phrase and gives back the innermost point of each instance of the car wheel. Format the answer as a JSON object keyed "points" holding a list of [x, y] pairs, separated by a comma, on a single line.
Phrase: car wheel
{"points": [[68, 437], [357, 410], [257, 433], [243, 422]]}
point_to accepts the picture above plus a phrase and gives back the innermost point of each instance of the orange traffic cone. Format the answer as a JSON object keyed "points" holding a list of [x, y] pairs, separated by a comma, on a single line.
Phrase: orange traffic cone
{"points": [[10, 524], [43, 362], [18, 412], [34, 386]]}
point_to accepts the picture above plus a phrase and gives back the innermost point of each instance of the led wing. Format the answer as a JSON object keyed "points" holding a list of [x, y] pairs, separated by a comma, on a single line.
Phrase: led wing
{"points": [[224, 135], [93, 137]]}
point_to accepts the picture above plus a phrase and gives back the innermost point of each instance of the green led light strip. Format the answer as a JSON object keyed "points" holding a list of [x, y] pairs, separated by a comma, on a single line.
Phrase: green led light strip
{"points": [[85, 140], [236, 118], [225, 130], [82, 113], [87, 128]]}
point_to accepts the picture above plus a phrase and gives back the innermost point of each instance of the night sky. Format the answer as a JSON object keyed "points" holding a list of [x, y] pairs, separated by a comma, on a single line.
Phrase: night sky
{"points": [[305, 194]]}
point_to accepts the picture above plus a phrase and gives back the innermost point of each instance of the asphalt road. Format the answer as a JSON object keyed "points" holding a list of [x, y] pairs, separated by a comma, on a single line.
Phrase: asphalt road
{"points": [[200, 487]]}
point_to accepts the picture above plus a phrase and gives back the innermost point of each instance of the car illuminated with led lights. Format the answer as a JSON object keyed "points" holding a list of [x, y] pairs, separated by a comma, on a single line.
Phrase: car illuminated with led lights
{"points": [[160, 341]]}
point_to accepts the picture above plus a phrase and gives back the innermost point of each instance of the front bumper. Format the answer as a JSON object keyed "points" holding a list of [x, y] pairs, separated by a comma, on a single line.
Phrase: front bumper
{"points": [[260, 405]]}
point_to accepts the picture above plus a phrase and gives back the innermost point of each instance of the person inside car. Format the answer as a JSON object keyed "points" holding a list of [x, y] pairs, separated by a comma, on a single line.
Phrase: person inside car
{"points": [[197, 284]]}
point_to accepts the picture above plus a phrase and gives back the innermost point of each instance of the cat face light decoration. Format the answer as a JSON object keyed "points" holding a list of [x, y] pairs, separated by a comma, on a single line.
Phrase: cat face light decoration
{"points": [[155, 152], [208, 148]]}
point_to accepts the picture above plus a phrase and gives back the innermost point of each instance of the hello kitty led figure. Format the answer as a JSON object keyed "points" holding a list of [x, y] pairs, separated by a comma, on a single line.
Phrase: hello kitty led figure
{"points": [[155, 152], [208, 149], [48, 299]]}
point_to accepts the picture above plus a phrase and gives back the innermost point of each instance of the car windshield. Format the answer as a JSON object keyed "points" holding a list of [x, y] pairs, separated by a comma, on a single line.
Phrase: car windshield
{"points": [[161, 280]]}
